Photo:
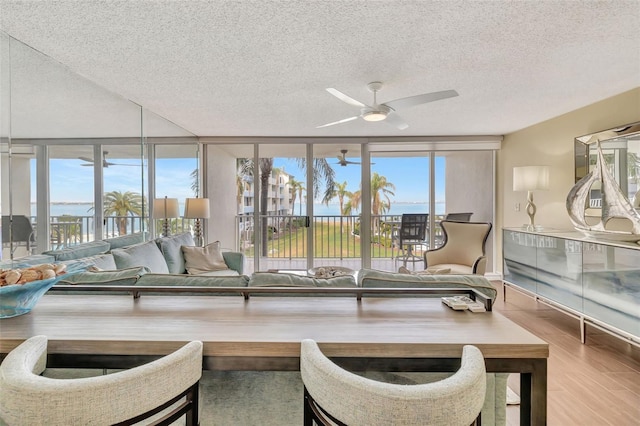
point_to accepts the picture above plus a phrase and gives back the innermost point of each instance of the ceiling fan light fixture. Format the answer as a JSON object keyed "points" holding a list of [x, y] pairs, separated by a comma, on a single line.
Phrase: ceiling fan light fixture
{"points": [[374, 115]]}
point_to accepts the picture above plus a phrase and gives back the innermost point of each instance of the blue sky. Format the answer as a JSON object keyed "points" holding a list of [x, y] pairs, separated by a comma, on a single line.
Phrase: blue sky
{"points": [[74, 182], [410, 175]]}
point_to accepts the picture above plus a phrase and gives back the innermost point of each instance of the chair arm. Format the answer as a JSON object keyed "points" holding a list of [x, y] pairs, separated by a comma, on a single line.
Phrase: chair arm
{"points": [[480, 265], [234, 260]]}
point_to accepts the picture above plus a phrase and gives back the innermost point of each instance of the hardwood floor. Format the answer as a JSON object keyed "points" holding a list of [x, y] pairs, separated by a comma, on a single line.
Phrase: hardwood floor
{"points": [[597, 383]]}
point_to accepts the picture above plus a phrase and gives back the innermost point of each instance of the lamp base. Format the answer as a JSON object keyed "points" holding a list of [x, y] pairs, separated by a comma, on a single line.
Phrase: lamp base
{"points": [[166, 228]]}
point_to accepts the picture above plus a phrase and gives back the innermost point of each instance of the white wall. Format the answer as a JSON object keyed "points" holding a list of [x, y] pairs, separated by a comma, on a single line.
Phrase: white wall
{"points": [[221, 191]]}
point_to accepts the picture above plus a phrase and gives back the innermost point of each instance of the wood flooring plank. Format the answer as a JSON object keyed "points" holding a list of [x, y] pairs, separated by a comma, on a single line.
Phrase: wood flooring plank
{"points": [[592, 384]]}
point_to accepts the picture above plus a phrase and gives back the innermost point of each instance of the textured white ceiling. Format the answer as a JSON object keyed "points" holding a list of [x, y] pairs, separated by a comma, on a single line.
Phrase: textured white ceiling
{"points": [[259, 68]]}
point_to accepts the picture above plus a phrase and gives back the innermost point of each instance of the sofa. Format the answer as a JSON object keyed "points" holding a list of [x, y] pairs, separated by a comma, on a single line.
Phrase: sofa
{"points": [[161, 262]]}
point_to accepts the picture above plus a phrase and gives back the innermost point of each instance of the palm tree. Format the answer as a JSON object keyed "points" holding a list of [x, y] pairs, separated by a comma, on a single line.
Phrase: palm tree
{"points": [[341, 192], [293, 187], [300, 188], [353, 205], [122, 205], [195, 183], [380, 191]]}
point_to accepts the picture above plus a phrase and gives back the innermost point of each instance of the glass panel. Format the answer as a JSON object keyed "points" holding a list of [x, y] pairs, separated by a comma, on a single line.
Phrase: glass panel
{"points": [[71, 196], [400, 183], [124, 202], [559, 263], [336, 214], [177, 176], [612, 286], [520, 260], [282, 236]]}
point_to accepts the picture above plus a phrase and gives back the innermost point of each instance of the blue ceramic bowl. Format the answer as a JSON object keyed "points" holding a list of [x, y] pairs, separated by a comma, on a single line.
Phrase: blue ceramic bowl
{"points": [[20, 299]]}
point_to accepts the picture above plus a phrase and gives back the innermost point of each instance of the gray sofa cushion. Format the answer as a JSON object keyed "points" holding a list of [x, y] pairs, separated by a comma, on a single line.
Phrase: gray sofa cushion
{"points": [[381, 279], [146, 254], [170, 248], [127, 276], [182, 280], [126, 240], [91, 248], [101, 261], [277, 279]]}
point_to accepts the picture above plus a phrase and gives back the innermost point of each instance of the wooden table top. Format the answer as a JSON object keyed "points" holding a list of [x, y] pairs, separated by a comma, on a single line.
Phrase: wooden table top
{"points": [[266, 327]]}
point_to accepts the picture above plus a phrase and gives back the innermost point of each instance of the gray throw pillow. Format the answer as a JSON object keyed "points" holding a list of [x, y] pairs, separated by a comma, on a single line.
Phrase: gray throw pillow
{"points": [[146, 254], [172, 252]]}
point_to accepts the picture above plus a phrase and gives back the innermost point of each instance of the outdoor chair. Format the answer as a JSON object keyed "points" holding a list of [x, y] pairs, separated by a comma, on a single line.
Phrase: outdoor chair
{"points": [[21, 234], [412, 234], [334, 396], [460, 217], [126, 397], [463, 251]]}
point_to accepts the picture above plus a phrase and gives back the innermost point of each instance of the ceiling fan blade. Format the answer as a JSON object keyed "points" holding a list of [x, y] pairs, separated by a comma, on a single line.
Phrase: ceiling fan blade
{"points": [[87, 159], [344, 98], [420, 99], [395, 120], [338, 122]]}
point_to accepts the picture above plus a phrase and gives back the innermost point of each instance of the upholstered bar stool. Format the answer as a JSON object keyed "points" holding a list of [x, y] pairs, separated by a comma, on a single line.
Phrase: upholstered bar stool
{"points": [[168, 386], [334, 396]]}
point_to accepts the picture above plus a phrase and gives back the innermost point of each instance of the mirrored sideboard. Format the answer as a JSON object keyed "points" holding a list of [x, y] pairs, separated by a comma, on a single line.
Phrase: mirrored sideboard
{"points": [[598, 282]]}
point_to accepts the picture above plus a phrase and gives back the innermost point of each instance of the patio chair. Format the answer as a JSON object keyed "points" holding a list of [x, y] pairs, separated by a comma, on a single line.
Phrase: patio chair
{"points": [[334, 396], [20, 235], [460, 217], [412, 233], [126, 397]]}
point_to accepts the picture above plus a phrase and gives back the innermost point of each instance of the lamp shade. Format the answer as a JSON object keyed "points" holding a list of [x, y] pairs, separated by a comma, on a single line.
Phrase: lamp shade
{"points": [[165, 208], [530, 178], [196, 208]]}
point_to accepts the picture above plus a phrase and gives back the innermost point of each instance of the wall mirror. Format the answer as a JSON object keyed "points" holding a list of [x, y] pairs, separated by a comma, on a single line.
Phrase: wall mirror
{"points": [[72, 151], [621, 150]]}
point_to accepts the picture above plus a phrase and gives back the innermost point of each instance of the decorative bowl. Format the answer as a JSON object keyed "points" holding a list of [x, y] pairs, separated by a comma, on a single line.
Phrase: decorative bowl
{"points": [[19, 299], [330, 271]]}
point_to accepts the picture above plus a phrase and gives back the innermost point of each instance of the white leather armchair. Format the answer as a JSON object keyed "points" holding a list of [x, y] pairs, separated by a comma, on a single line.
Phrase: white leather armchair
{"points": [[463, 251]]}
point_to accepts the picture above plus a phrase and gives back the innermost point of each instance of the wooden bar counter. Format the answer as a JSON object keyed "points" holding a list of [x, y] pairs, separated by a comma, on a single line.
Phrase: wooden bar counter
{"points": [[264, 333]]}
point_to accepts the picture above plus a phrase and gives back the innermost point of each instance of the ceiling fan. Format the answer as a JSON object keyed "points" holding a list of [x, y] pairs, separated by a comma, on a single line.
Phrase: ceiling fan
{"points": [[342, 159], [105, 163], [386, 111]]}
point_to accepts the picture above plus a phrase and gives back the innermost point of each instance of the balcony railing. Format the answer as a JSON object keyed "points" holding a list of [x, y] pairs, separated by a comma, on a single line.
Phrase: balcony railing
{"points": [[336, 237], [67, 231]]}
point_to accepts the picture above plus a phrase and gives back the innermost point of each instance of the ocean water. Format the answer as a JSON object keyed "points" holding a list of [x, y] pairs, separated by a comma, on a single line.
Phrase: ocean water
{"points": [[59, 209]]}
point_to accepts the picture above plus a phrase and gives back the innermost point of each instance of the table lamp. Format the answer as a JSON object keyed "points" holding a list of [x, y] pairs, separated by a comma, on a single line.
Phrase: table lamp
{"points": [[531, 178], [197, 208], [165, 208]]}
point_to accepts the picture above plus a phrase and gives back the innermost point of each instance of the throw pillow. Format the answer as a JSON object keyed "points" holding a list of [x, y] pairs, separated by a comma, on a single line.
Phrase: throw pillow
{"points": [[199, 260], [146, 254]]}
